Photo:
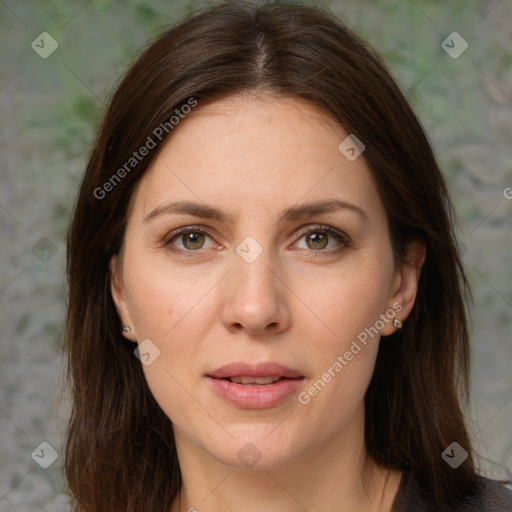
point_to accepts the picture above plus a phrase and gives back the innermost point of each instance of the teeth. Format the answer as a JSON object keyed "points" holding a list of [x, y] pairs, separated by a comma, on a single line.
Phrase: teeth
{"points": [[254, 380]]}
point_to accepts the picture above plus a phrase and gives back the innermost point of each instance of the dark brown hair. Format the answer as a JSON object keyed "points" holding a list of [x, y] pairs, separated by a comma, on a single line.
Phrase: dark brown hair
{"points": [[120, 452]]}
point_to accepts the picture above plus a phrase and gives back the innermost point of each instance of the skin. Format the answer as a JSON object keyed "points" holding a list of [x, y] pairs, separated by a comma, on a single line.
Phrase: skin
{"points": [[298, 304]]}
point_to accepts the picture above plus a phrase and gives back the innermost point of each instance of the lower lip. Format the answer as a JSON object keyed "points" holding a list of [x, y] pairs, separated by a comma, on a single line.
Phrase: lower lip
{"points": [[257, 396]]}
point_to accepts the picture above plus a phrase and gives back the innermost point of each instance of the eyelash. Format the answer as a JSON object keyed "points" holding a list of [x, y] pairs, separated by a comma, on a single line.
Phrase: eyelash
{"points": [[339, 235]]}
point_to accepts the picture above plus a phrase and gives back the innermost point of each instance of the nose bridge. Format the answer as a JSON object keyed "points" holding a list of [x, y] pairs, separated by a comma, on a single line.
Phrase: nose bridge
{"points": [[255, 262], [255, 298]]}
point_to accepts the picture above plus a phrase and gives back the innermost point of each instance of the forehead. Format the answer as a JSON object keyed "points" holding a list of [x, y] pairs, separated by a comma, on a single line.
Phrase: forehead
{"points": [[247, 152]]}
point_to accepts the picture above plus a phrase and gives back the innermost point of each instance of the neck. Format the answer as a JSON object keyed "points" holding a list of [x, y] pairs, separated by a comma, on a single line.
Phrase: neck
{"points": [[334, 476]]}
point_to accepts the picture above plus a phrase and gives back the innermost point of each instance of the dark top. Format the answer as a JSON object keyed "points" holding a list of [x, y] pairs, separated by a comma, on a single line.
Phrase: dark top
{"points": [[491, 496]]}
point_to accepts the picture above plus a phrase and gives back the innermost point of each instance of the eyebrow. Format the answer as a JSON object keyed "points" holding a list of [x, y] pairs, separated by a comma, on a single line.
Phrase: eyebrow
{"points": [[290, 214]]}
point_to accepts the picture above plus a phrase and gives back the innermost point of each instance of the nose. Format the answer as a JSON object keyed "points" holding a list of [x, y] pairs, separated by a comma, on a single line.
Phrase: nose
{"points": [[255, 298]]}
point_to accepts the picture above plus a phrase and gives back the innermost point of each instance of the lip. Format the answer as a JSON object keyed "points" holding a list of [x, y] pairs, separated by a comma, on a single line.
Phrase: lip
{"points": [[257, 396], [240, 369]]}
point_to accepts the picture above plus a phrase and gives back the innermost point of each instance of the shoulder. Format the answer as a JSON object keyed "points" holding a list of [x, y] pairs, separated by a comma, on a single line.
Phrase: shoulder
{"points": [[493, 495], [488, 496]]}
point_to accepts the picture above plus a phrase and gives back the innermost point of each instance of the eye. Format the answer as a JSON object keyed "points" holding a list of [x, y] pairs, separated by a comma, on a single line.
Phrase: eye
{"points": [[192, 239], [318, 237]]}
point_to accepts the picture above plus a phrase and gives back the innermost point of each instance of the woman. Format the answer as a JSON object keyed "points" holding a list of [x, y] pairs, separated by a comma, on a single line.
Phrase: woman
{"points": [[267, 304]]}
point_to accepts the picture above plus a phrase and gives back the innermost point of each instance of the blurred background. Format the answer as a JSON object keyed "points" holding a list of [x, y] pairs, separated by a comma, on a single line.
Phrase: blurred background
{"points": [[61, 61]]}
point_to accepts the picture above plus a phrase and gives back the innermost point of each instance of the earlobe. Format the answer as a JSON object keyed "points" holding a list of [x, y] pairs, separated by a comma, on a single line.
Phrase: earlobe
{"points": [[406, 285]]}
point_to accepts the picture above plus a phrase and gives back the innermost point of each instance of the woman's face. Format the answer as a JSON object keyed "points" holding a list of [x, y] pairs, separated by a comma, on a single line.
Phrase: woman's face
{"points": [[259, 280]]}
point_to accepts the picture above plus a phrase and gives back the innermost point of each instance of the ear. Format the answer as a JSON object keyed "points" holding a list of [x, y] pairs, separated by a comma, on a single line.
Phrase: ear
{"points": [[118, 296], [405, 284]]}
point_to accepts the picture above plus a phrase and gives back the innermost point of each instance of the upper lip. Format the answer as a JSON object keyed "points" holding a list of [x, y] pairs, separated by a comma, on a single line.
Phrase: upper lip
{"points": [[241, 369]]}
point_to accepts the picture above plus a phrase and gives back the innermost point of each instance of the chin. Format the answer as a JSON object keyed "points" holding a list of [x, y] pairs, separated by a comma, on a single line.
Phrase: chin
{"points": [[253, 448]]}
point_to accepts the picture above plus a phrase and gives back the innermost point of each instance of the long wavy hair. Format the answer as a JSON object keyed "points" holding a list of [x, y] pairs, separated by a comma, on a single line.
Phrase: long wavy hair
{"points": [[120, 452]]}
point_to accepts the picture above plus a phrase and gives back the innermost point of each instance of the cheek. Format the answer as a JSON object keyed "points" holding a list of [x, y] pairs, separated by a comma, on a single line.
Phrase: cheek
{"points": [[347, 305], [346, 337], [173, 310], [161, 297]]}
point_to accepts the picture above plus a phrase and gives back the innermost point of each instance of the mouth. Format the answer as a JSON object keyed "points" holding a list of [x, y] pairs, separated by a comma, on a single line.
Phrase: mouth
{"points": [[255, 386]]}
